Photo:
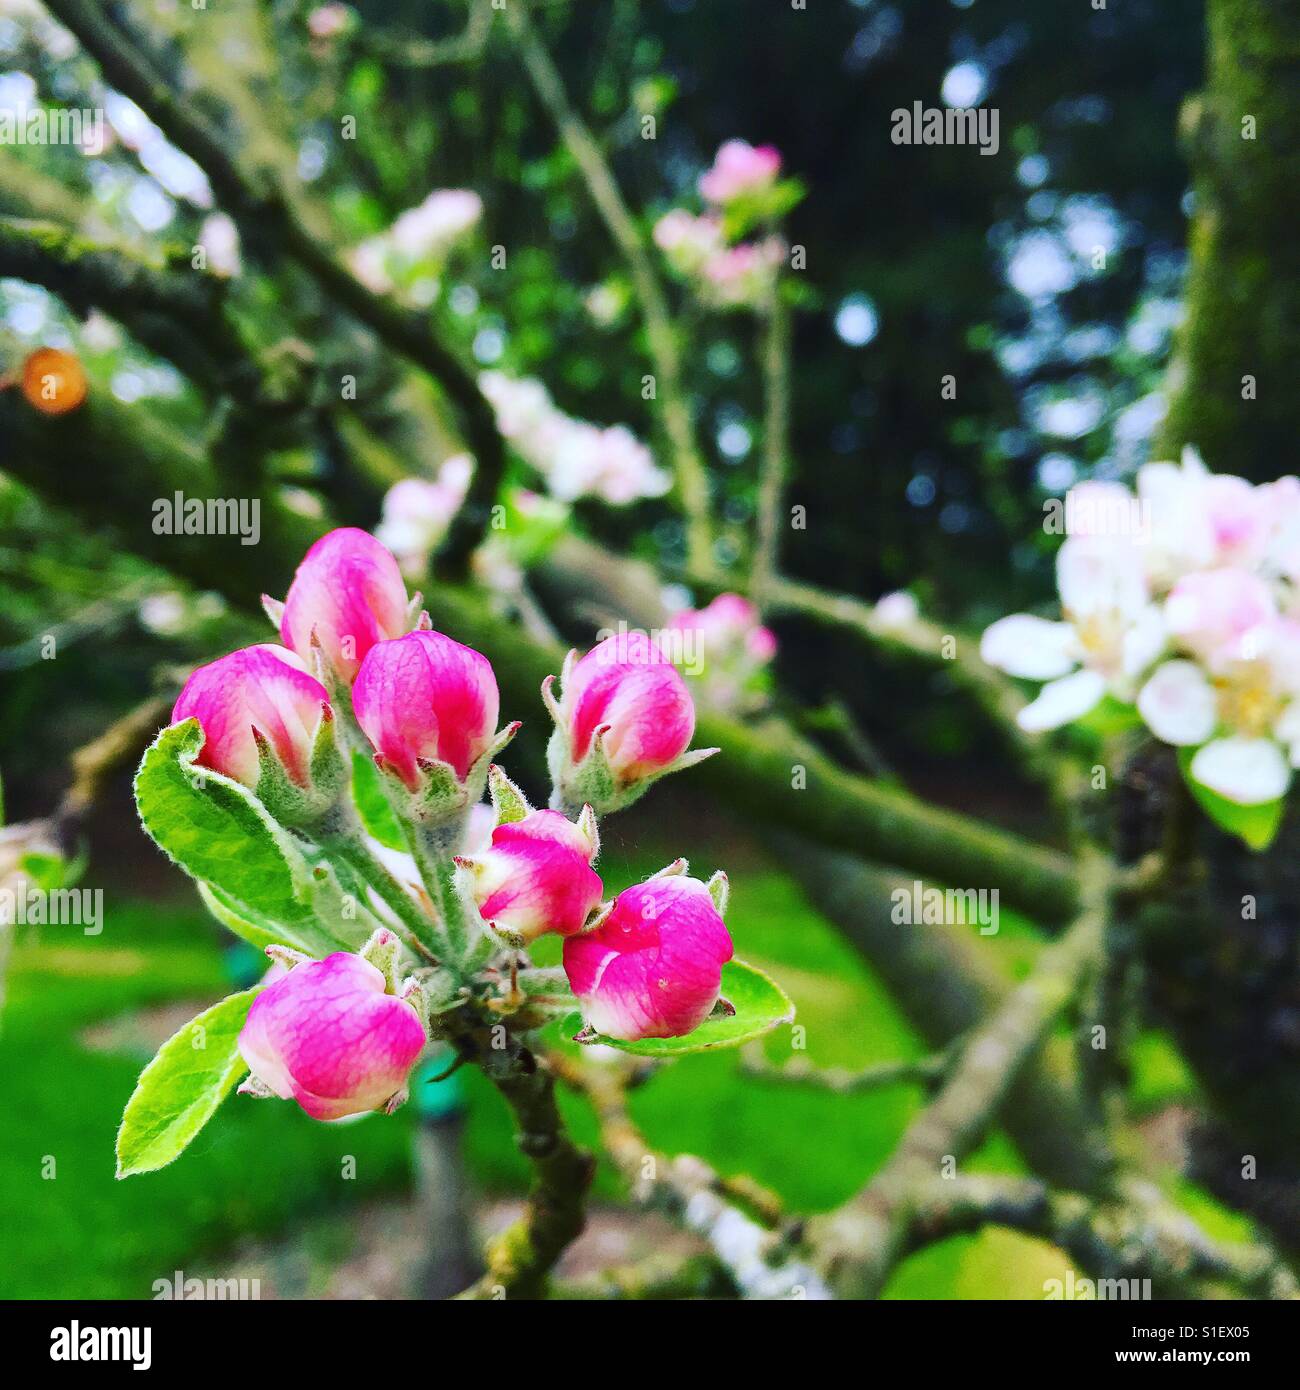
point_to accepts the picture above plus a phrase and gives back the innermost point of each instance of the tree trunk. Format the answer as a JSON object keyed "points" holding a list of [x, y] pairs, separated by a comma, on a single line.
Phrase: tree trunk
{"points": [[1232, 382]]}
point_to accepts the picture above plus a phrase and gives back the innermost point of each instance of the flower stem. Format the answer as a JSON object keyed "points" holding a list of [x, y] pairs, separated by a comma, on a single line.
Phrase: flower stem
{"points": [[461, 929]]}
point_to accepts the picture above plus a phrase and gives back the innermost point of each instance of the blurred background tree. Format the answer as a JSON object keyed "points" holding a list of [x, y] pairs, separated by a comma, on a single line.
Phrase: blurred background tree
{"points": [[1047, 281]]}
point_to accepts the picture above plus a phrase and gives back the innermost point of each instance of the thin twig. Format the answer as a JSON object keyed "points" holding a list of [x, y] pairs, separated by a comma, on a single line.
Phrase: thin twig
{"points": [[800, 1071], [737, 1217], [776, 446], [94, 763], [661, 336]]}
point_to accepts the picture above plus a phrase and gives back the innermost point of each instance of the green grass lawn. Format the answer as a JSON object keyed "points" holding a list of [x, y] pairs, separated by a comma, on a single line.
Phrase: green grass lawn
{"points": [[261, 1167], [70, 1229]]}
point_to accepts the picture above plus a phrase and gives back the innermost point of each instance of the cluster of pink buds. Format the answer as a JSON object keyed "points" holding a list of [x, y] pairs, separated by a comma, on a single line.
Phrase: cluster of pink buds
{"points": [[742, 191], [410, 256], [363, 672], [417, 512], [1180, 602], [576, 458], [725, 648]]}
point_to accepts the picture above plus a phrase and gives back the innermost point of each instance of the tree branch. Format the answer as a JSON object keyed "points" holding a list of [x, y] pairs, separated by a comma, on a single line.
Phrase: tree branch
{"points": [[520, 1259], [776, 448], [762, 1262], [178, 316], [946, 983], [860, 1243], [1138, 1237], [799, 1071], [266, 213]]}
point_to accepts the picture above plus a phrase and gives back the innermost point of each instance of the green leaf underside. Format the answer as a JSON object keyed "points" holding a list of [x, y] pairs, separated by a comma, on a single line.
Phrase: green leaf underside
{"points": [[760, 1003], [1255, 825], [180, 1090], [309, 937], [219, 834]]}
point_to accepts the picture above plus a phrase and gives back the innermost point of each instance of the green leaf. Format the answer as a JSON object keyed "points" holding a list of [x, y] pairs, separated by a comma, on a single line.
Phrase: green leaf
{"points": [[1110, 716], [760, 1004], [308, 936], [179, 1091], [217, 830], [1255, 825], [373, 806], [531, 526], [47, 871]]}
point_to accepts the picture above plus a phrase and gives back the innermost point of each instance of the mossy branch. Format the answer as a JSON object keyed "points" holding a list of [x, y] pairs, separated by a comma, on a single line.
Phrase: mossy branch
{"points": [[179, 315], [521, 1258], [1138, 1236]]}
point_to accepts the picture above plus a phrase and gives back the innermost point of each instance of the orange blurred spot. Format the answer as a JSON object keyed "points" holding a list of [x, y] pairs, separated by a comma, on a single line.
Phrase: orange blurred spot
{"points": [[54, 381]]}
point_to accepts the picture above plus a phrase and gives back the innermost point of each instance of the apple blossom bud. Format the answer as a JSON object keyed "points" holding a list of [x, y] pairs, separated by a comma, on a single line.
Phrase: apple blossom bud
{"points": [[259, 695], [536, 877], [350, 593], [739, 168], [330, 1036], [423, 699], [626, 718], [653, 968]]}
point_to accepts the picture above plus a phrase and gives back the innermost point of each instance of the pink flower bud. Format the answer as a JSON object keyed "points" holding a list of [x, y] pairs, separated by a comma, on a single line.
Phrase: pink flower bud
{"points": [[349, 591], [329, 1036], [265, 688], [536, 877], [653, 968], [629, 688], [739, 168], [423, 697]]}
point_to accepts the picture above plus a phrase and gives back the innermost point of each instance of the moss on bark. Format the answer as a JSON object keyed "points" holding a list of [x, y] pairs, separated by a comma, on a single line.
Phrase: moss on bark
{"points": [[1243, 285]]}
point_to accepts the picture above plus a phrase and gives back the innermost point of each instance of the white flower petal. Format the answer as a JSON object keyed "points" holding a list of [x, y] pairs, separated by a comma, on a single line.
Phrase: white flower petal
{"points": [[1098, 574], [1143, 642], [1287, 728], [1245, 770], [1178, 704], [1061, 701], [1193, 464], [1034, 648]]}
